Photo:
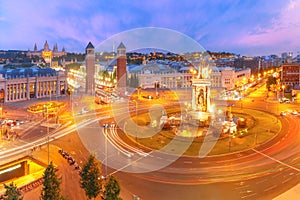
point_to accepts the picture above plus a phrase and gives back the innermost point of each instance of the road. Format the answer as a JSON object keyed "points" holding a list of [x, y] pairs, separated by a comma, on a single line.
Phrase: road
{"points": [[259, 173]]}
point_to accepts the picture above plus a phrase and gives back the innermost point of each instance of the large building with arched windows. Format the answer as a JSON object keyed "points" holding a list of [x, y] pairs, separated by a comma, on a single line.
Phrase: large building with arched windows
{"points": [[21, 84]]}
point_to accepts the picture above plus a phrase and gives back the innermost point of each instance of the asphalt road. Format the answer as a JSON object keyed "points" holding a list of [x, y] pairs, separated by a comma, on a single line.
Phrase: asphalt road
{"points": [[259, 173]]}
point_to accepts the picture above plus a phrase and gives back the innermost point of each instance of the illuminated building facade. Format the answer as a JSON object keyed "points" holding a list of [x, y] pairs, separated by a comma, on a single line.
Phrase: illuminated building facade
{"points": [[290, 74], [46, 52], [23, 84], [221, 77]]}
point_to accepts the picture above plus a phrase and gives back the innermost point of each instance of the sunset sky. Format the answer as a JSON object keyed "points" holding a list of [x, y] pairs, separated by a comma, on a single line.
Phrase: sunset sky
{"points": [[246, 27]]}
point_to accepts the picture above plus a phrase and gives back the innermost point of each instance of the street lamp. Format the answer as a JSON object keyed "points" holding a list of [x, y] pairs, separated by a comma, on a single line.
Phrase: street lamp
{"points": [[229, 140], [136, 118], [156, 85], [46, 111], [283, 87]]}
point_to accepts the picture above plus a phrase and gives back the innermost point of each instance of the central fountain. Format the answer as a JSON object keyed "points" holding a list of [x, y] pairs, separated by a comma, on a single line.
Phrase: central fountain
{"points": [[201, 84]]}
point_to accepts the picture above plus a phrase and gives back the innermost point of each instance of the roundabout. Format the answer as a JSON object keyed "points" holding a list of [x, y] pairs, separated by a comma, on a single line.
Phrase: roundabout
{"points": [[261, 166], [260, 128]]}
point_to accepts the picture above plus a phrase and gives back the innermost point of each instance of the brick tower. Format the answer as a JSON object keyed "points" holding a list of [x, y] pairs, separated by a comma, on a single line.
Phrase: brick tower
{"points": [[121, 69], [90, 68]]}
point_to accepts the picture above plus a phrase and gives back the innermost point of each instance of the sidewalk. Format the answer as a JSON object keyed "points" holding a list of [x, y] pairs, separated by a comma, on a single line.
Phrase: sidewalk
{"points": [[291, 194]]}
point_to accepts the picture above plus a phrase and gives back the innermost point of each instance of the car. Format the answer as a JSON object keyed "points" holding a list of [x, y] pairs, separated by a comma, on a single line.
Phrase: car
{"points": [[106, 126], [282, 113], [83, 111], [13, 123], [284, 100], [19, 121], [295, 112], [147, 97]]}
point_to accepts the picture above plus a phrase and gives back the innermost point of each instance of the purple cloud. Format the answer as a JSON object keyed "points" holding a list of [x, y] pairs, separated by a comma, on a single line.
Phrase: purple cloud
{"points": [[236, 26]]}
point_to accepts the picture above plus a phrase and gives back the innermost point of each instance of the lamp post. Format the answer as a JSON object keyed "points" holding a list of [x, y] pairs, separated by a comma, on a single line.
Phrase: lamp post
{"points": [[283, 87], [229, 140], [156, 85], [136, 118], [46, 111]]}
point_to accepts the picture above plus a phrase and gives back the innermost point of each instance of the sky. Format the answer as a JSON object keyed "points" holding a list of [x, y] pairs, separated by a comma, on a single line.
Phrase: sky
{"points": [[245, 27]]}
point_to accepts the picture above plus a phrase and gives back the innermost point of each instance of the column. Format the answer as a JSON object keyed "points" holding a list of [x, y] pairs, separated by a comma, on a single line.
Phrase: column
{"points": [[66, 87], [17, 91], [54, 88], [27, 90], [35, 88], [193, 97], [38, 85], [57, 88], [208, 98], [13, 91], [47, 88], [22, 90], [7, 93], [43, 88]]}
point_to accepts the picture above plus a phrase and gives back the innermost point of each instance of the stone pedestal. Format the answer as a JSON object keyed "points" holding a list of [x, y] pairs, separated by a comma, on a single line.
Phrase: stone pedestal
{"points": [[201, 99]]}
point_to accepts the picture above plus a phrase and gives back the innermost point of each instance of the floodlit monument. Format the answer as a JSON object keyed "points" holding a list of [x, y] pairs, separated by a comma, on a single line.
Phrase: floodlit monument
{"points": [[201, 84]]}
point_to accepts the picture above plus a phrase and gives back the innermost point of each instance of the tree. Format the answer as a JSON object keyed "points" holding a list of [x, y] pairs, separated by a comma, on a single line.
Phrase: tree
{"points": [[271, 81], [112, 189], [12, 192], [51, 183], [74, 66], [90, 178]]}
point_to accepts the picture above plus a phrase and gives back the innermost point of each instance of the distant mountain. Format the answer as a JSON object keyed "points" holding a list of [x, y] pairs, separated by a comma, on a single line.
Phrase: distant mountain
{"points": [[149, 50]]}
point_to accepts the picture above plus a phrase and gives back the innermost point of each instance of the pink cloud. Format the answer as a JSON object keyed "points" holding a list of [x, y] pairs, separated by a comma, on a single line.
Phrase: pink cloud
{"points": [[282, 34]]}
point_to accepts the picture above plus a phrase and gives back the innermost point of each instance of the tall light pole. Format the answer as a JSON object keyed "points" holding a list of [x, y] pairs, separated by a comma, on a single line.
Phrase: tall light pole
{"points": [[283, 87], [229, 140], [46, 111], [136, 118], [156, 84]]}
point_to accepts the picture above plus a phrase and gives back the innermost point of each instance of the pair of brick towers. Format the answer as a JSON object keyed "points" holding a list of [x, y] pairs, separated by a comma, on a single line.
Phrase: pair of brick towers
{"points": [[90, 69]]}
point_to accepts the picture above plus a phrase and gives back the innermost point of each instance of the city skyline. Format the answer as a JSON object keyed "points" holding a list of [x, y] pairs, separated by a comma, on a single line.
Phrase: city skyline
{"points": [[240, 27]]}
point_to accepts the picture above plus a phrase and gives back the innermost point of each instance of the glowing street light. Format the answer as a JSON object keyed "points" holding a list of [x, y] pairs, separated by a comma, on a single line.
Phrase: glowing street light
{"points": [[283, 87], [156, 86], [46, 112]]}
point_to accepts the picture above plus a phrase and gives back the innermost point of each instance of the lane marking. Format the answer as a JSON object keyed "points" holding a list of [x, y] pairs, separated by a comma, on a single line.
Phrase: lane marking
{"points": [[274, 159], [246, 196], [247, 191], [286, 180], [259, 182], [270, 188], [241, 187]]}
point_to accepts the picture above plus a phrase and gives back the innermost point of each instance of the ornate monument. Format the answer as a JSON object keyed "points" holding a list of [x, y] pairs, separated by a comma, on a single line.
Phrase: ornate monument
{"points": [[201, 107]]}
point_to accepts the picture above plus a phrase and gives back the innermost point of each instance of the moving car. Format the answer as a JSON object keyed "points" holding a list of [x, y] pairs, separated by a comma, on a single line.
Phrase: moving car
{"points": [[282, 113]]}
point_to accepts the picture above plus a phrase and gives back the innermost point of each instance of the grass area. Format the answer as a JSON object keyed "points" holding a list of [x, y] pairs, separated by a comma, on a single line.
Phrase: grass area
{"points": [[261, 127]]}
